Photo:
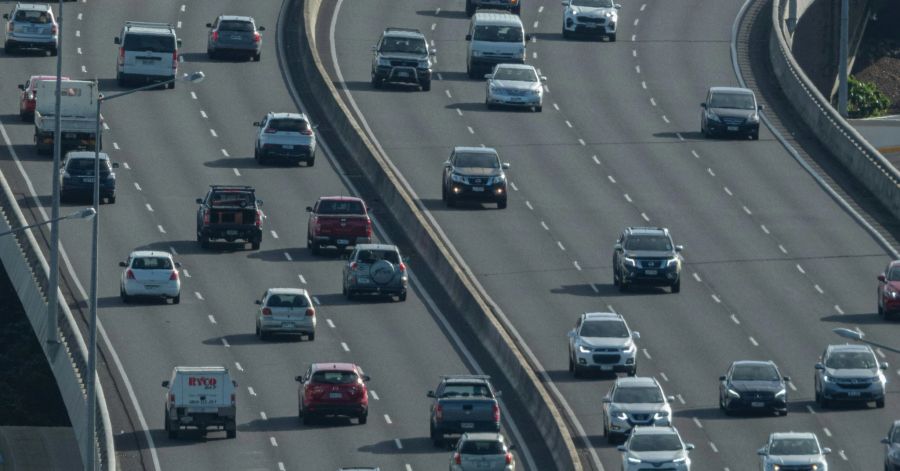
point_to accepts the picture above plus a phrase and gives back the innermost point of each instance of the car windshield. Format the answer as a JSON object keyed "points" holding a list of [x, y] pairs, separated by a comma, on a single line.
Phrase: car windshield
{"points": [[894, 274], [593, 3], [739, 101], [236, 25], [287, 300], [149, 43], [151, 263], [335, 377], [288, 125], [794, 446], [32, 16], [482, 447], [86, 166], [754, 373], [372, 256], [615, 329], [466, 390], [637, 395], [498, 34], [479, 160], [648, 242], [409, 45], [851, 360], [341, 207], [520, 74], [655, 442]]}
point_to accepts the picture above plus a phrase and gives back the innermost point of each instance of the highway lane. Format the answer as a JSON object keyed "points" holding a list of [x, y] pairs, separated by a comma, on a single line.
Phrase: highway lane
{"points": [[748, 215], [170, 144]]}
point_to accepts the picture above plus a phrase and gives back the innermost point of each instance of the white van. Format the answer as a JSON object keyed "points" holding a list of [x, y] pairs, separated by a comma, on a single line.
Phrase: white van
{"points": [[200, 397], [148, 52], [494, 38]]}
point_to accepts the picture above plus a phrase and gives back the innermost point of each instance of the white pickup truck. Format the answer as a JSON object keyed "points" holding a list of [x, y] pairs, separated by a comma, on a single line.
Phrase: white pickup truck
{"points": [[200, 397], [78, 111]]}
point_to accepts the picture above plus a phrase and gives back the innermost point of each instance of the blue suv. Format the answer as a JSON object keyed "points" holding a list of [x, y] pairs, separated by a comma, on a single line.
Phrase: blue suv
{"points": [[850, 373]]}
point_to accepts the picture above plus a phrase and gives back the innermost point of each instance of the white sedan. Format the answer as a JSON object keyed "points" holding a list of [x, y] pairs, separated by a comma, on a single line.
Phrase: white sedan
{"points": [[515, 85], [150, 273]]}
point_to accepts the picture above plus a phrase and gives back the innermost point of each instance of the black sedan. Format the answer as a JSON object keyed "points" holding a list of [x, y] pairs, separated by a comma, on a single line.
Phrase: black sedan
{"points": [[753, 386], [730, 111]]}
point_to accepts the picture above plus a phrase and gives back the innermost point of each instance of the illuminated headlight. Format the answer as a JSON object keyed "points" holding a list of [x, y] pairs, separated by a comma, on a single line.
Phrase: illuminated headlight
{"points": [[712, 116], [384, 62], [753, 118], [734, 394], [775, 467], [882, 378], [476, 54], [660, 415], [497, 180], [629, 262], [458, 178], [781, 393], [630, 349], [826, 378], [621, 416], [891, 292], [584, 349], [815, 466], [673, 262], [632, 459], [680, 460]]}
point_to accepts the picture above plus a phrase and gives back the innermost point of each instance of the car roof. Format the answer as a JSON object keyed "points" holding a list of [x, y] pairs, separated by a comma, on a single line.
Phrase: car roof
{"points": [[142, 27], [376, 247], [783, 435], [496, 18], [207, 369], [731, 90], [367, 468], [475, 150], [894, 263], [602, 316], [46, 77], [150, 253], [403, 33], [283, 115], [506, 65], [299, 291], [236, 18], [483, 436], [339, 366], [340, 198], [754, 363], [466, 379], [34, 6], [847, 347], [636, 381], [85, 154], [654, 430], [647, 230]]}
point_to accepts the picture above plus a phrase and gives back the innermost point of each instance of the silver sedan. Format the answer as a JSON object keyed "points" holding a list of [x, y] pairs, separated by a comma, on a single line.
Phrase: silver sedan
{"points": [[515, 85]]}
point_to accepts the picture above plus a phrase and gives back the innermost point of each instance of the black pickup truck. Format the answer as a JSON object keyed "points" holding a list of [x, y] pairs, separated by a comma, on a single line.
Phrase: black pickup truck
{"points": [[463, 403], [230, 213]]}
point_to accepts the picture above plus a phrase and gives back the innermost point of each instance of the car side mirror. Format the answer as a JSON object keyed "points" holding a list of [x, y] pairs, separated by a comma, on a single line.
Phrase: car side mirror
{"points": [[309, 209], [820, 366], [505, 165], [447, 164], [123, 264], [635, 335], [826, 451], [178, 42], [116, 40], [761, 451], [703, 105], [688, 446], [257, 302], [177, 264], [22, 87], [617, 247], [621, 448], [468, 37], [543, 78], [618, 6], [209, 25], [881, 278], [606, 400], [722, 378], [256, 123], [165, 384], [760, 107], [199, 200], [670, 398], [679, 248], [367, 378], [884, 366], [260, 28], [488, 76], [430, 394], [298, 379], [565, 2], [115, 165], [787, 379], [511, 447], [571, 333], [432, 52], [886, 441], [260, 202]]}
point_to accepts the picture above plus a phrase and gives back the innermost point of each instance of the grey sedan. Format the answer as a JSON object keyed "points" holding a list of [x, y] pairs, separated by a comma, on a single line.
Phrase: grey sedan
{"points": [[515, 85], [236, 34]]}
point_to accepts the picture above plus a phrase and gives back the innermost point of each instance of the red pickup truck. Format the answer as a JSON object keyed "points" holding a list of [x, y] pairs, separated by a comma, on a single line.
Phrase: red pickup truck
{"points": [[338, 221]]}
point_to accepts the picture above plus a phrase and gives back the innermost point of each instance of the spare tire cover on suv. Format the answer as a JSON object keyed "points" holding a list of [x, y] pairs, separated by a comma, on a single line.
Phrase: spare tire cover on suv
{"points": [[382, 272]]}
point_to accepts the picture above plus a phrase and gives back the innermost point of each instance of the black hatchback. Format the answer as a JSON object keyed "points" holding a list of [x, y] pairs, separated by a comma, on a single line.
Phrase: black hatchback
{"points": [[753, 386], [77, 176]]}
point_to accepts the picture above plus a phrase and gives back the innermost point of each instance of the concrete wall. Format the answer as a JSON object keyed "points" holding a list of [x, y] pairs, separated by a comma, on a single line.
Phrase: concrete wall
{"points": [[428, 246]]}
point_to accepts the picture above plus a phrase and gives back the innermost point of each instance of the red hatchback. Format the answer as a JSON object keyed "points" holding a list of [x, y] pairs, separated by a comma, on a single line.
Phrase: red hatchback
{"points": [[333, 389], [889, 290], [28, 97]]}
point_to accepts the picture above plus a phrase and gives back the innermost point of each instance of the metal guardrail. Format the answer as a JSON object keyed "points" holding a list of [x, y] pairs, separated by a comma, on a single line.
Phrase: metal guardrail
{"points": [[28, 271]]}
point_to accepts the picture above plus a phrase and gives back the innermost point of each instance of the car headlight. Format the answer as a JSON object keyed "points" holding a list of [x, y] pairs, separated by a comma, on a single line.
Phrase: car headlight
{"points": [[815, 466], [476, 54], [660, 415], [384, 62], [629, 262], [754, 118], [583, 349], [826, 378], [680, 460], [66, 175], [632, 459], [781, 393], [621, 416], [734, 394], [712, 116], [882, 378], [891, 292], [458, 178], [630, 349], [673, 262], [497, 180], [425, 64], [521, 53]]}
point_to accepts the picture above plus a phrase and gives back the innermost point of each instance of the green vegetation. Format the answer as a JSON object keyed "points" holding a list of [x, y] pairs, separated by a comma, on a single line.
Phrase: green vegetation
{"points": [[865, 100]]}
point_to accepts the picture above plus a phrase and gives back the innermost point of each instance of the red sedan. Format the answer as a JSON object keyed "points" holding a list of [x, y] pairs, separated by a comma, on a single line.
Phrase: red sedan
{"points": [[889, 290], [27, 100]]}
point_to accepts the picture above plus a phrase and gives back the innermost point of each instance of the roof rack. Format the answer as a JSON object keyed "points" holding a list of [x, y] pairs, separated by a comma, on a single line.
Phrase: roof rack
{"points": [[484, 377], [149, 24], [402, 30], [241, 187]]}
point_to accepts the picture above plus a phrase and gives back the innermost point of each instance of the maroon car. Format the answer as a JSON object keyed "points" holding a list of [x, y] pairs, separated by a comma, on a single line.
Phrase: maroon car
{"points": [[29, 94], [333, 389], [338, 221], [889, 290]]}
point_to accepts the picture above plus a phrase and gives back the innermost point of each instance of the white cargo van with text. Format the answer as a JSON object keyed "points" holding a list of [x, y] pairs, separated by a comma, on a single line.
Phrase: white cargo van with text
{"points": [[200, 397], [148, 52]]}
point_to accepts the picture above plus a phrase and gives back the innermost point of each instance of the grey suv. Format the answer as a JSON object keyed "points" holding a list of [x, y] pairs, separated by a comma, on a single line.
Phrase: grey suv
{"points": [[483, 451], [31, 26], [236, 34], [850, 373], [375, 269], [402, 55], [474, 173], [650, 448], [647, 255], [603, 342], [634, 401]]}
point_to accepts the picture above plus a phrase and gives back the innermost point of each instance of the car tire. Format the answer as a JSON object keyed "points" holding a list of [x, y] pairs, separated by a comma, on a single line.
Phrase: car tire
{"points": [[612, 37], [120, 81], [311, 161], [676, 287], [8, 48], [210, 54], [610, 437], [879, 403], [426, 86], [539, 108], [402, 296], [363, 419], [518, 9], [172, 431], [571, 364], [376, 82], [566, 34], [311, 336], [436, 439], [488, 104], [632, 372], [177, 299], [623, 287], [820, 399], [576, 371], [315, 248], [54, 51], [754, 136], [233, 432], [501, 204], [257, 56], [204, 241], [472, 71], [23, 116], [255, 244], [450, 201], [170, 86], [308, 419], [125, 298]]}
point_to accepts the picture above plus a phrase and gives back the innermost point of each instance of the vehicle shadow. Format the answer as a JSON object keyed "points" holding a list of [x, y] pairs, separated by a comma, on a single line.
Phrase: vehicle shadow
{"points": [[565, 376], [26, 53], [272, 424], [248, 338], [577, 290], [116, 302], [470, 106], [855, 319], [298, 254], [334, 299], [436, 204], [410, 446], [692, 135], [557, 36], [182, 247], [29, 153], [127, 442], [450, 14], [14, 118], [26, 202], [233, 162], [358, 85], [202, 58]]}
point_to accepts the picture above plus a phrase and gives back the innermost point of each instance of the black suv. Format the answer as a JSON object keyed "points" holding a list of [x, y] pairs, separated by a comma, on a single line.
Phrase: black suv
{"points": [[77, 176], [474, 173], [402, 55], [646, 255]]}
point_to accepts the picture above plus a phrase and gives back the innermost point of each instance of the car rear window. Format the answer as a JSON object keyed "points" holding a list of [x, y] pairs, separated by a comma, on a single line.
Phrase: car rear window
{"points": [[340, 207], [335, 377], [151, 263], [637, 395], [287, 300], [288, 125], [32, 16], [231, 198], [466, 390], [235, 25], [372, 256], [149, 42], [482, 447], [86, 165], [606, 329]]}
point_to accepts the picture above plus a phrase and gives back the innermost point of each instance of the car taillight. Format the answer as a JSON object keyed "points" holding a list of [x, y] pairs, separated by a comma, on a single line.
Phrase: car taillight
{"points": [[496, 413], [53, 29], [258, 218], [233, 401], [354, 266], [306, 132], [29, 96], [175, 60], [402, 267], [173, 276], [457, 458], [316, 226], [310, 312], [129, 274], [438, 412], [368, 227], [508, 458], [9, 27], [215, 36], [172, 398], [267, 311], [122, 53], [205, 218], [256, 37]]}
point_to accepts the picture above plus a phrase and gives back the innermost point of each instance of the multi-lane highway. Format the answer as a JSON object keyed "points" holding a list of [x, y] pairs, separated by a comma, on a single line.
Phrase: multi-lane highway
{"points": [[172, 144], [773, 263]]}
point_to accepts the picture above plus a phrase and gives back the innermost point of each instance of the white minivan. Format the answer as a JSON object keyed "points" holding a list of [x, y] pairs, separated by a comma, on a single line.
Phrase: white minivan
{"points": [[148, 52], [494, 38]]}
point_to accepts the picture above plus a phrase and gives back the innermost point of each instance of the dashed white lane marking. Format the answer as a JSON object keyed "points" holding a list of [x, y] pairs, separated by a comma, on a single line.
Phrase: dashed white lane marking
{"points": [[727, 191], [387, 419], [345, 347], [225, 342], [225, 153], [161, 229], [764, 228], [149, 208], [697, 277], [316, 300], [800, 269], [880, 353], [528, 203], [251, 391], [611, 179], [810, 409], [83, 69], [747, 210], [568, 123], [716, 299], [545, 226], [447, 92], [819, 289], [105, 126], [637, 69], [611, 309], [373, 394], [513, 185], [178, 25], [408, 467], [330, 323], [116, 145], [843, 455], [237, 172], [581, 141], [754, 342], [288, 257], [633, 37], [198, 295], [471, 131], [238, 366], [697, 422], [680, 399], [181, 59], [541, 9], [302, 280], [437, 12], [77, 33], [186, 274], [281, 466], [643, 6], [433, 26], [536, 24], [791, 385], [596, 160], [713, 446], [213, 132], [827, 432], [397, 443], [634, 53], [664, 377], [735, 319], [561, 246], [646, 218], [556, 107], [577, 266], [172, 249], [459, 112], [263, 415], [710, 172], [627, 198], [646, 353], [183, 7], [594, 287], [273, 441], [665, 118], [643, 84], [193, 95], [783, 250], [695, 154], [80, 16], [636, 21], [212, 319], [274, 234], [652, 101], [79, 50], [203, 113]]}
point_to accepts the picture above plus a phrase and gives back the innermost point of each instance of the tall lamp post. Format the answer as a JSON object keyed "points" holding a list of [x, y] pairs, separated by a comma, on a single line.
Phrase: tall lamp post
{"points": [[89, 453], [85, 213], [52, 299]]}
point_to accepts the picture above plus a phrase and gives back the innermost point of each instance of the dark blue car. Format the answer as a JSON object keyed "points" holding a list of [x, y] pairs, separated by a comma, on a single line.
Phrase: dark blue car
{"points": [[77, 176]]}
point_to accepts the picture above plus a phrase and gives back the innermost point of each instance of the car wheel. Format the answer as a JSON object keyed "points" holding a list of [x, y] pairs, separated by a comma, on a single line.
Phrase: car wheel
{"points": [[488, 104], [571, 364], [204, 242], [501, 204], [754, 136], [176, 299], [173, 431], [820, 398], [880, 311], [315, 248], [232, 431], [879, 403], [9, 48], [402, 296], [470, 8], [257, 56], [255, 244], [125, 298], [426, 86], [436, 439], [119, 80], [111, 199], [566, 34], [170, 86], [612, 37], [616, 278], [311, 161], [311, 336], [623, 287], [210, 54], [308, 419], [611, 437], [258, 333], [632, 372], [539, 108], [363, 419], [517, 10], [262, 334], [576, 371], [450, 201], [376, 82], [54, 51], [676, 287]]}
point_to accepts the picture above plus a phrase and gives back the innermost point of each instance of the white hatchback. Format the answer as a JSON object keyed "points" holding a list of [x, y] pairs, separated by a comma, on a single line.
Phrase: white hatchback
{"points": [[150, 273], [285, 311]]}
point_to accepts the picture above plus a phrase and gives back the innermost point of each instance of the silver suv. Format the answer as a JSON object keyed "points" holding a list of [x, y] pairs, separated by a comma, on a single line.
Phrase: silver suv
{"points": [[651, 448], [602, 341], [487, 451], [31, 26], [375, 269], [793, 450], [287, 137], [850, 373], [632, 402], [402, 55]]}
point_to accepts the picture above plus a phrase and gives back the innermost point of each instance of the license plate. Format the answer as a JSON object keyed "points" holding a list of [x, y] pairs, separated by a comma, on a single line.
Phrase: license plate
{"points": [[853, 394], [591, 25], [287, 325], [606, 367], [363, 280], [287, 146], [151, 286], [650, 272], [484, 464], [236, 37], [69, 135], [732, 128], [334, 395], [478, 188], [195, 409], [147, 62], [402, 74], [757, 404], [467, 425], [88, 179], [231, 232], [343, 242]]}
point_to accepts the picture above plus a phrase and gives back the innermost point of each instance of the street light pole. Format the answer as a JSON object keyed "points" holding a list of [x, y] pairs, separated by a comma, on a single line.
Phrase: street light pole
{"points": [[843, 73], [52, 298]]}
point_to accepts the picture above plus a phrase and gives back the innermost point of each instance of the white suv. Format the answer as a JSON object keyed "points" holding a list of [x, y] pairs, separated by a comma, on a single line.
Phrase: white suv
{"points": [[148, 52], [602, 341], [594, 17]]}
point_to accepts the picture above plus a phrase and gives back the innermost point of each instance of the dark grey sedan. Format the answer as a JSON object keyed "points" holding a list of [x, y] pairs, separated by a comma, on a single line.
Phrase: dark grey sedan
{"points": [[753, 386], [238, 35], [730, 111]]}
